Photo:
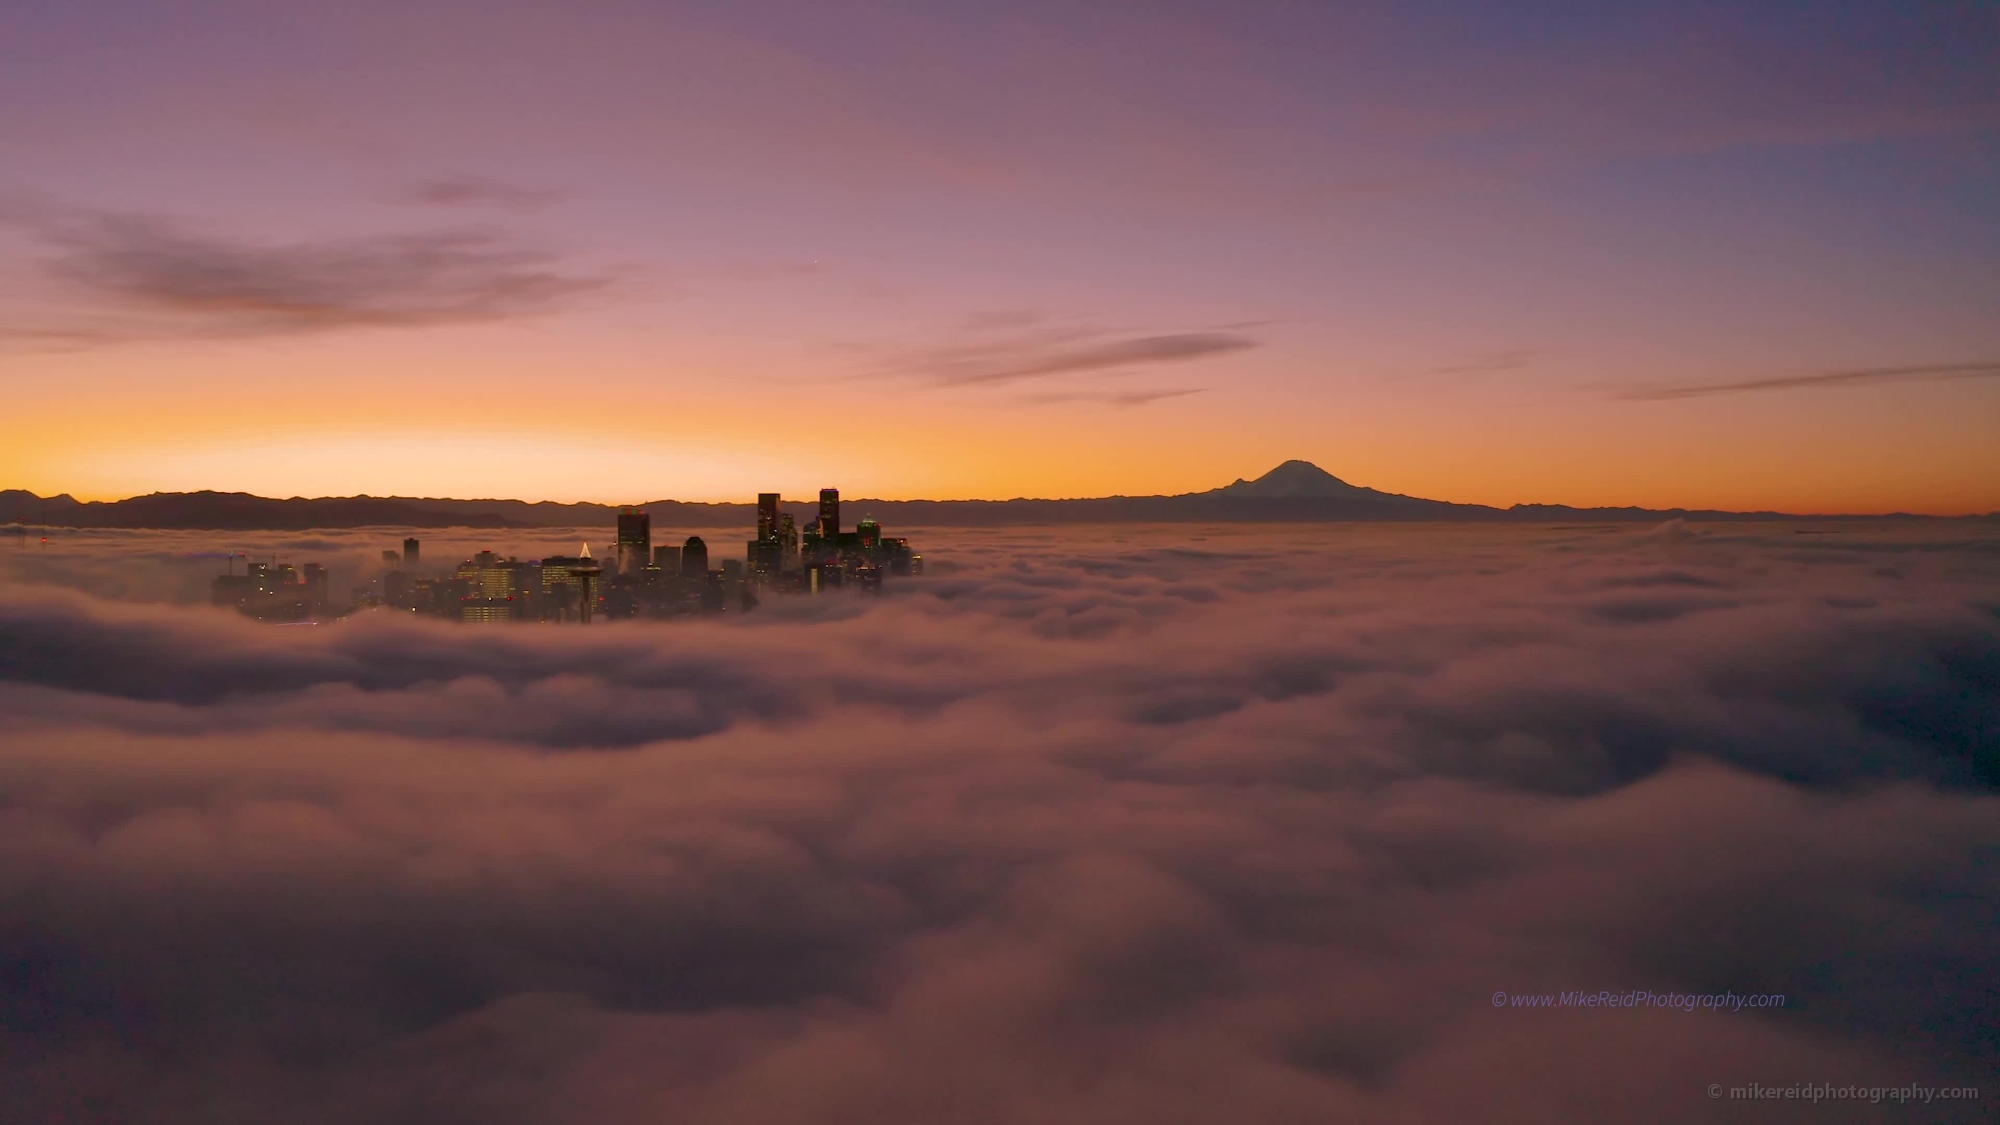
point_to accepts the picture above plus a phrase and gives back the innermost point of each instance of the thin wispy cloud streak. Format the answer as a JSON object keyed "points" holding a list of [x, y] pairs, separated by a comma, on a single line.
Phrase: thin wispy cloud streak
{"points": [[140, 277], [1860, 377], [480, 191], [1487, 364], [1171, 348], [1057, 353], [1116, 398], [1097, 825]]}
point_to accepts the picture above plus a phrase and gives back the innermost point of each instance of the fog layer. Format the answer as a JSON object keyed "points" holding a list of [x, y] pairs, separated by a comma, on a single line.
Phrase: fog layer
{"points": [[1150, 824]]}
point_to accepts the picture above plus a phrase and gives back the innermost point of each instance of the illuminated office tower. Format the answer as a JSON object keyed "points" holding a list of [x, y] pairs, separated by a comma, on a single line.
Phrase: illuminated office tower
{"points": [[411, 552], [870, 532], [635, 540], [788, 542], [486, 611], [488, 576], [558, 598], [523, 578], [767, 516], [694, 558], [829, 513]]}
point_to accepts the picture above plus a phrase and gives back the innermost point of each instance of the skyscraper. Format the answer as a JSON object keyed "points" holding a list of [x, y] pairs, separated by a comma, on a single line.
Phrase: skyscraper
{"points": [[767, 516], [489, 577], [694, 558], [411, 552], [829, 513], [788, 542], [635, 540], [870, 532]]}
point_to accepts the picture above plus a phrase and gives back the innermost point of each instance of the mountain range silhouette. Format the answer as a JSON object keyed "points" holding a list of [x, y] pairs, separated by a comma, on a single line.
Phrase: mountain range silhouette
{"points": [[1294, 491]]}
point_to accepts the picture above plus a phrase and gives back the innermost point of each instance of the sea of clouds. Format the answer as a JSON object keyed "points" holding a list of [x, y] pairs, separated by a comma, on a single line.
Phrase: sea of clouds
{"points": [[1090, 825]]}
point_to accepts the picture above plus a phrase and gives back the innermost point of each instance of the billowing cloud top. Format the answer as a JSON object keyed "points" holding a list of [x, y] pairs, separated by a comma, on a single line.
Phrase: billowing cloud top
{"points": [[1093, 826]]}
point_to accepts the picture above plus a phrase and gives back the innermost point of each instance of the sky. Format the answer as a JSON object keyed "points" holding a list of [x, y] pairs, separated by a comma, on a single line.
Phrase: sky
{"points": [[1691, 254], [1082, 827]]}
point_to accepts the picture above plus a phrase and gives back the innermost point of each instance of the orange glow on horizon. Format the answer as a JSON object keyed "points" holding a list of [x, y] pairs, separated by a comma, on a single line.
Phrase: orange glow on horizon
{"points": [[577, 418]]}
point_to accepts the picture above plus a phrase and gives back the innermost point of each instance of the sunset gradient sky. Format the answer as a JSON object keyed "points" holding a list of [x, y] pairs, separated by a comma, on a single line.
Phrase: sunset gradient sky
{"points": [[1689, 254]]}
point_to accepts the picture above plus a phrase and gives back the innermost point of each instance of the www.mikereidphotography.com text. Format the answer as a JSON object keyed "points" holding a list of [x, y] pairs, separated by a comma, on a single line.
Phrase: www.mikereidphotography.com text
{"points": [[1640, 998]]}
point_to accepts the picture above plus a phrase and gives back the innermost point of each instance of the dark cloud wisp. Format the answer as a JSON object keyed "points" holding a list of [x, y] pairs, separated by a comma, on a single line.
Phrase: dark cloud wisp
{"points": [[143, 277], [1859, 377], [1488, 363], [1126, 399], [1046, 355], [464, 190]]}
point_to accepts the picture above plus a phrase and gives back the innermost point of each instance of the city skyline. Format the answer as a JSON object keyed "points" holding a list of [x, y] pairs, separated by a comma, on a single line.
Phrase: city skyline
{"points": [[636, 579], [1664, 256]]}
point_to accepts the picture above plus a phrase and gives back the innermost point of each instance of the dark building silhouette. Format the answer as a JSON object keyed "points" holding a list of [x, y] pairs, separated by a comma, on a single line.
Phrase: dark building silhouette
{"points": [[315, 581], [870, 533], [767, 515], [635, 540], [829, 513], [694, 558], [232, 589], [411, 552], [766, 554]]}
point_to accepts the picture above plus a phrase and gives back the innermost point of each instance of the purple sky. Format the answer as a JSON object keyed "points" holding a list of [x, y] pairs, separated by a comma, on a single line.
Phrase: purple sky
{"points": [[1722, 255]]}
